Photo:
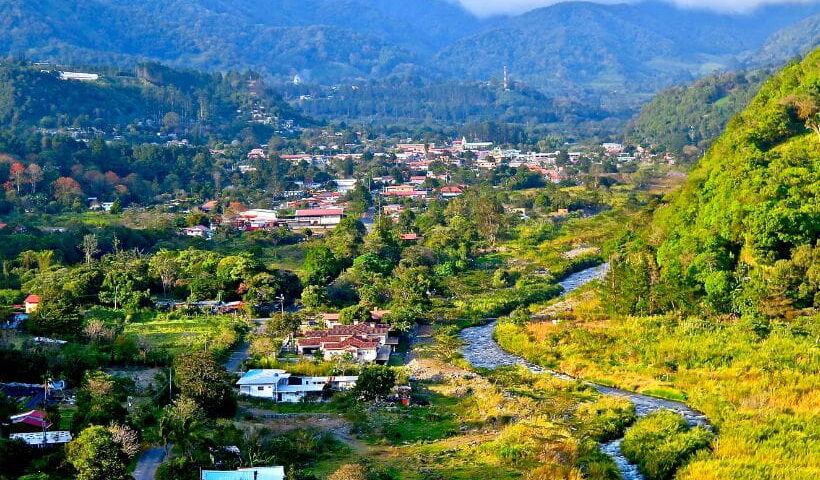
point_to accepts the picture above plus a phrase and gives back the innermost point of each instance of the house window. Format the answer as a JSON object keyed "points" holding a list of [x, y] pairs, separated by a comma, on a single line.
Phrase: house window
{"points": [[260, 388]]}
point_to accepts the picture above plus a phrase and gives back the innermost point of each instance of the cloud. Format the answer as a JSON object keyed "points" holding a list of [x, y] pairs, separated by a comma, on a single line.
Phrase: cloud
{"points": [[504, 7]]}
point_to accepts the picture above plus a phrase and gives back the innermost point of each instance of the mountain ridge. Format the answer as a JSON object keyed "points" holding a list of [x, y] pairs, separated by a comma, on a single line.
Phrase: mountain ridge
{"points": [[566, 48]]}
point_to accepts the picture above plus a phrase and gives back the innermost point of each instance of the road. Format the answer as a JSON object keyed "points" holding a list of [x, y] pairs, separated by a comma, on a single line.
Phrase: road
{"points": [[148, 463], [238, 357], [242, 351]]}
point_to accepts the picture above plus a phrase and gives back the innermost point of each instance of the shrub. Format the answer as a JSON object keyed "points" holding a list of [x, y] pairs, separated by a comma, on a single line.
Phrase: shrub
{"points": [[607, 418], [662, 442]]}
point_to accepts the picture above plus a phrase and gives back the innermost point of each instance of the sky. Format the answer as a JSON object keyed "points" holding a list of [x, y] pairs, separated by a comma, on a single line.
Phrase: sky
{"points": [[492, 7]]}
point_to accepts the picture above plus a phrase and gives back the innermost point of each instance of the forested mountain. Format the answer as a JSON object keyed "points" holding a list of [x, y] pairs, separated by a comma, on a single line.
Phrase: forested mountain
{"points": [[740, 237], [629, 47], [791, 41], [563, 48], [687, 119], [151, 98]]}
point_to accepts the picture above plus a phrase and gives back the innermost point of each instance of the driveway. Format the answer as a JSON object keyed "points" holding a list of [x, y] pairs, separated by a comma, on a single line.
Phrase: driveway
{"points": [[148, 463]]}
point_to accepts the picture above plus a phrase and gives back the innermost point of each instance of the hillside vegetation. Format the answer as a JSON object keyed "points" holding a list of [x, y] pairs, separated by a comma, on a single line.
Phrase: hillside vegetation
{"points": [[687, 119], [199, 103]]}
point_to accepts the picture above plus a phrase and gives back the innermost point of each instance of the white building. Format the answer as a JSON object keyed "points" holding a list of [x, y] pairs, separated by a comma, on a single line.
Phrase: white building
{"points": [[319, 217], [83, 77], [281, 386], [41, 440], [344, 185]]}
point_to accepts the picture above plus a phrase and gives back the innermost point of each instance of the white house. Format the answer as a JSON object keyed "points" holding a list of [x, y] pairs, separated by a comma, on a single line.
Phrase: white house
{"points": [[41, 440], [281, 386]]}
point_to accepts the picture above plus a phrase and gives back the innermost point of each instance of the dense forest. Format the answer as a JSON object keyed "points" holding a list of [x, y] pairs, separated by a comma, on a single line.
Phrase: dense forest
{"points": [[415, 101], [740, 236]]}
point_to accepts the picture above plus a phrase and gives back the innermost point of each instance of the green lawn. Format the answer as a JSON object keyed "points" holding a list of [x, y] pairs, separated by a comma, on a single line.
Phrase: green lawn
{"points": [[179, 333]]}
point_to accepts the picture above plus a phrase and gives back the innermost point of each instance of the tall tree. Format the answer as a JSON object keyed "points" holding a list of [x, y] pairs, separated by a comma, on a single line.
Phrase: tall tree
{"points": [[96, 456]]}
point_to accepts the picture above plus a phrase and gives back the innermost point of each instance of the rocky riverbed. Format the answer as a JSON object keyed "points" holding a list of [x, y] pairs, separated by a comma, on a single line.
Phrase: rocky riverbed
{"points": [[482, 351]]}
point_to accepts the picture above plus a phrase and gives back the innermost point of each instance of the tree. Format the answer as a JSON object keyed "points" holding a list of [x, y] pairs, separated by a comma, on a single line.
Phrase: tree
{"points": [[180, 423], [354, 314], [281, 325], [116, 207], [96, 456], [99, 401], [127, 438], [90, 247], [200, 377], [171, 121], [313, 296], [320, 266], [17, 173], [375, 381], [34, 175], [163, 265], [67, 190]]}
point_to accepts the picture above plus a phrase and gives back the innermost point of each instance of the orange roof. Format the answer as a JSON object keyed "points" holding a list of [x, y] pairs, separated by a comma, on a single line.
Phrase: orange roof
{"points": [[32, 299]]}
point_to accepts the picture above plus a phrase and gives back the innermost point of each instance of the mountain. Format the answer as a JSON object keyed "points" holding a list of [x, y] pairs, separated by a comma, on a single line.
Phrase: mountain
{"points": [[742, 232], [325, 39], [631, 47], [694, 115], [565, 49], [794, 40]]}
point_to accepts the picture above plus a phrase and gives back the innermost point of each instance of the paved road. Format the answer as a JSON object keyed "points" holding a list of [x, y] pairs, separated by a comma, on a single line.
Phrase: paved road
{"points": [[242, 351], [238, 357], [148, 463]]}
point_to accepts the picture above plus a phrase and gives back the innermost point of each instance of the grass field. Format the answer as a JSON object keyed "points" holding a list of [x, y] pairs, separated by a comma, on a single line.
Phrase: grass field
{"points": [[176, 333]]}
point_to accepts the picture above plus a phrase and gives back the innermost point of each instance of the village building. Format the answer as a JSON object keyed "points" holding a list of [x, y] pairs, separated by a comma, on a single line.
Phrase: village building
{"points": [[281, 386], [319, 217], [43, 439], [364, 342], [33, 419], [31, 303]]}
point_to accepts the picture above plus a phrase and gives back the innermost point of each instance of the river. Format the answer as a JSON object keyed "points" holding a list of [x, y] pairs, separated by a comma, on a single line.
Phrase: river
{"points": [[482, 351]]}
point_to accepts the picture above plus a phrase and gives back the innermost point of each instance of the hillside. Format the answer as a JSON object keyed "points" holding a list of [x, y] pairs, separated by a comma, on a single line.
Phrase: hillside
{"points": [[566, 48], [687, 119], [741, 234], [121, 102], [788, 42]]}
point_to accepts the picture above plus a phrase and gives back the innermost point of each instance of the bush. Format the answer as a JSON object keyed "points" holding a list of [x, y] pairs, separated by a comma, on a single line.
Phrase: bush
{"points": [[607, 418], [662, 442]]}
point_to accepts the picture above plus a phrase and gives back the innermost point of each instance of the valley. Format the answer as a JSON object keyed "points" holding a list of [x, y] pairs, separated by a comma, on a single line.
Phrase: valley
{"points": [[421, 240]]}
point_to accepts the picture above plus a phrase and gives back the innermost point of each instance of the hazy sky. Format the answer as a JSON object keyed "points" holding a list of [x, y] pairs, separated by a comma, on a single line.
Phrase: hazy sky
{"points": [[489, 7]]}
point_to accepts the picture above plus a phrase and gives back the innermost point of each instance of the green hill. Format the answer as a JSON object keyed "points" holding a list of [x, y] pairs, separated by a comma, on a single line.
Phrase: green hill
{"points": [[694, 115], [128, 102], [742, 234]]}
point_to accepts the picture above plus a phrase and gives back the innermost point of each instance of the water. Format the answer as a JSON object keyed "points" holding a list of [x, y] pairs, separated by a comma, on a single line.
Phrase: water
{"points": [[482, 351]]}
